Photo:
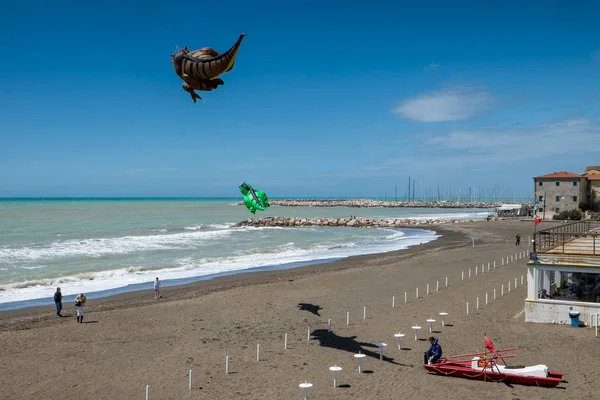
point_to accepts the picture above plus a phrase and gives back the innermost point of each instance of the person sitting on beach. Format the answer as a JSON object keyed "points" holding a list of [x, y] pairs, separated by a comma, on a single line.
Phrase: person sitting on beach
{"points": [[80, 304], [434, 353]]}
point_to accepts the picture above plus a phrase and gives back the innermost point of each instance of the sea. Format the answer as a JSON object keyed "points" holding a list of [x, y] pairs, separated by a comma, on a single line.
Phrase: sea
{"points": [[103, 247]]}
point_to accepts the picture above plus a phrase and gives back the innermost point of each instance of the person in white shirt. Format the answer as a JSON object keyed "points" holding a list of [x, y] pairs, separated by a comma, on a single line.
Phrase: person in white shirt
{"points": [[80, 305], [157, 287]]}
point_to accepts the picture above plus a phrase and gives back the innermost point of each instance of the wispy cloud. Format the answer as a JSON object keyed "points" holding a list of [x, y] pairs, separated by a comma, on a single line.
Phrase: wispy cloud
{"points": [[488, 149], [241, 167], [265, 182], [568, 136], [131, 171], [431, 67], [444, 105]]}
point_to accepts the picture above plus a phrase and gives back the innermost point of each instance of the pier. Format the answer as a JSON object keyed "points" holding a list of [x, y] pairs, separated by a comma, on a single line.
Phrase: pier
{"points": [[353, 222]]}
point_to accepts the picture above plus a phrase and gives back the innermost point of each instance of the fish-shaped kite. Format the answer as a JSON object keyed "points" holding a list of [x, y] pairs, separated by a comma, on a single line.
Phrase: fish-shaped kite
{"points": [[200, 69]]}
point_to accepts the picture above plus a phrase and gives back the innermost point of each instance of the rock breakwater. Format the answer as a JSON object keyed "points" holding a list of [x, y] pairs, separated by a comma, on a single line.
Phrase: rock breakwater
{"points": [[354, 222], [360, 203]]}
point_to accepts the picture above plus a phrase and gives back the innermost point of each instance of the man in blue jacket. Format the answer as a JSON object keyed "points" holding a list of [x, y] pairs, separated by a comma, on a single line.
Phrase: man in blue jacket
{"points": [[434, 353], [58, 302]]}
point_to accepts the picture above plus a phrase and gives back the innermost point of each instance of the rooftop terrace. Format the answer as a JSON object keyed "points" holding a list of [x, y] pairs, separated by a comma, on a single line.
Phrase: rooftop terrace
{"points": [[581, 238]]}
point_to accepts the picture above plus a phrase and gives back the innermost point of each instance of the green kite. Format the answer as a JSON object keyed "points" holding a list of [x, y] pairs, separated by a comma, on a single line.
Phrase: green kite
{"points": [[254, 199]]}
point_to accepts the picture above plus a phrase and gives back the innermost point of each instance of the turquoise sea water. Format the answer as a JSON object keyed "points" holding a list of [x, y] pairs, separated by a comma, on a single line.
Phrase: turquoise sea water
{"points": [[106, 246]]}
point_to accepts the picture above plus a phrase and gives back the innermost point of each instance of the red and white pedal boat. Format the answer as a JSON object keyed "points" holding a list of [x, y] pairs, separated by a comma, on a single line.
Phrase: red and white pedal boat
{"points": [[487, 368]]}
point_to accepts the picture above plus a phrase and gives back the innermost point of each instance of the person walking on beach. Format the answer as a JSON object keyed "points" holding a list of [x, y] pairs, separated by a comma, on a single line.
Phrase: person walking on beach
{"points": [[58, 302], [80, 304], [157, 287], [518, 241]]}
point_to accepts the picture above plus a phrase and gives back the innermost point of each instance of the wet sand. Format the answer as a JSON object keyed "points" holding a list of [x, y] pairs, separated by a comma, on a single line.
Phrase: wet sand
{"points": [[130, 340]]}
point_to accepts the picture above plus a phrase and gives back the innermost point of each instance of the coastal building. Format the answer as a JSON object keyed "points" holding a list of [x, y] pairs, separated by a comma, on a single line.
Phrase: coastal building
{"points": [[559, 191], [514, 210], [563, 274], [592, 177]]}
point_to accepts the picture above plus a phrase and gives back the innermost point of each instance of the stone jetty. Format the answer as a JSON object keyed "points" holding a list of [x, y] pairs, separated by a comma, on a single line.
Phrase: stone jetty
{"points": [[367, 203], [351, 222]]}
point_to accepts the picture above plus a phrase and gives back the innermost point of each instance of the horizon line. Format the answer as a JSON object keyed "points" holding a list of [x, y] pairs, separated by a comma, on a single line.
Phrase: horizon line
{"points": [[374, 198]]}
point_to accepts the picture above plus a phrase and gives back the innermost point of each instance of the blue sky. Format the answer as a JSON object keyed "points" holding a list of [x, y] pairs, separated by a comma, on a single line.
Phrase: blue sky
{"points": [[331, 98]]}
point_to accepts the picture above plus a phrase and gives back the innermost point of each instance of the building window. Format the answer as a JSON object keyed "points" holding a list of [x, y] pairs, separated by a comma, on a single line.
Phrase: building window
{"points": [[557, 183], [574, 198], [557, 198], [540, 183], [540, 198], [568, 286], [575, 183]]}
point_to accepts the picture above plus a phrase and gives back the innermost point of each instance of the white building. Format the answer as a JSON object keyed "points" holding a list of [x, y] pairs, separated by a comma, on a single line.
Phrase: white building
{"points": [[513, 210], [563, 274]]}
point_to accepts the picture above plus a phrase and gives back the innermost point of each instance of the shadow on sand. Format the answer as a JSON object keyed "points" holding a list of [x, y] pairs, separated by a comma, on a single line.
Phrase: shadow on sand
{"points": [[312, 308], [350, 344]]}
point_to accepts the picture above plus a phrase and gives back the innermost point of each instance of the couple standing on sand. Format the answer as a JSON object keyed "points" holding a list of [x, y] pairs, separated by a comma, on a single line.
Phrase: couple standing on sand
{"points": [[81, 299], [79, 304]]}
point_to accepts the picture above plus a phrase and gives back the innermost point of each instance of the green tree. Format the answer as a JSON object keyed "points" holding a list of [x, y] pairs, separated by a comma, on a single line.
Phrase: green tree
{"points": [[584, 206], [573, 215]]}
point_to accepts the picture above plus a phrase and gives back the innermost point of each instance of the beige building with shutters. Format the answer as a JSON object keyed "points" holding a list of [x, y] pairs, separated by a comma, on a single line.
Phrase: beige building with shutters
{"points": [[559, 191], [592, 176]]}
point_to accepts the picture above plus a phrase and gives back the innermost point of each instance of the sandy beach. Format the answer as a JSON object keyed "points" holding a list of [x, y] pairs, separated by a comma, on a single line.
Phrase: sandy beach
{"points": [[131, 340]]}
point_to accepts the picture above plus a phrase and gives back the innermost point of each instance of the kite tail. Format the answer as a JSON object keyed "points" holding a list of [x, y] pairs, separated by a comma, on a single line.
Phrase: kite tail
{"points": [[259, 204], [202, 69]]}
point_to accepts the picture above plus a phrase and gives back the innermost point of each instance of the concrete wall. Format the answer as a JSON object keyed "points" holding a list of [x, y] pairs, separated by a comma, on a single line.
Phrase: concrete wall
{"points": [[565, 189], [557, 312]]}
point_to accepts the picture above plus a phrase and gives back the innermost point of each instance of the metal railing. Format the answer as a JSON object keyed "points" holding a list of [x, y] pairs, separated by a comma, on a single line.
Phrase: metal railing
{"points": [[554, 239]]}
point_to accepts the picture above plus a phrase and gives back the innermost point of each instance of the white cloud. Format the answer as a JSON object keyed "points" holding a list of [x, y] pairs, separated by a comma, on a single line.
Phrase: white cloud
{"points": [[571, 136], [444, 105], [431, 67], [489, 149], [146, 170]]}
